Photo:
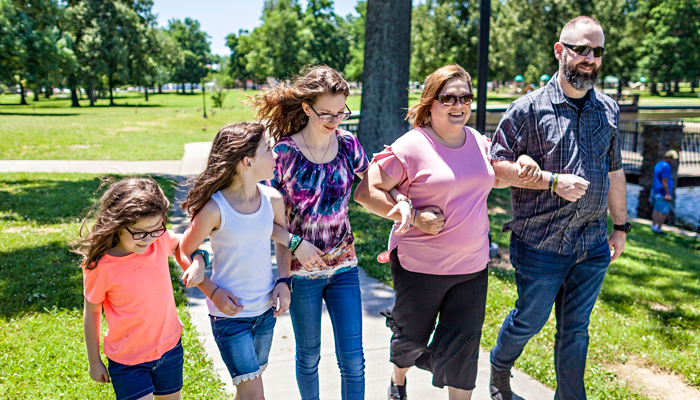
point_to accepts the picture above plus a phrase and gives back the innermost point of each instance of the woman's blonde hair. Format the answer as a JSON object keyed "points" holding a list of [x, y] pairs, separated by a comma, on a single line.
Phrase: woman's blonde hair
{"points": [[280, 108], [420, 113], [124, 203]]}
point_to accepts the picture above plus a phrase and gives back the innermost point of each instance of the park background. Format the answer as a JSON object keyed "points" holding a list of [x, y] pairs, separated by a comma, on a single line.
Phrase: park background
{"points": [[106, 80]]}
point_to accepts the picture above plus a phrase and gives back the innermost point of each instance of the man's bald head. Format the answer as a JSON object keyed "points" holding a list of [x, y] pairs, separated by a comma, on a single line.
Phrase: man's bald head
{"points": [[578, 27]]}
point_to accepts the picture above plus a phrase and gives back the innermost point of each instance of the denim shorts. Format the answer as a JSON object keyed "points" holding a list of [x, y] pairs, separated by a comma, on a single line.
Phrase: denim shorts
{"points": [[244, 343], [160, 377], [660, 204]]}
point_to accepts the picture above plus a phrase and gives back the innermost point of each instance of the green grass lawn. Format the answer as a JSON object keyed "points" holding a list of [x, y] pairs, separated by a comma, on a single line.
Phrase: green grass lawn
{"points": [[42, 350], [155, 130], [648, 312]]}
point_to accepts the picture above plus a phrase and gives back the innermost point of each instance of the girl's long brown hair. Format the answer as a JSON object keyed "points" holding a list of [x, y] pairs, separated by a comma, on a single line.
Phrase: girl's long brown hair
{"points": [[433, 86], [280, 108], [231, 145], [124, 203]]}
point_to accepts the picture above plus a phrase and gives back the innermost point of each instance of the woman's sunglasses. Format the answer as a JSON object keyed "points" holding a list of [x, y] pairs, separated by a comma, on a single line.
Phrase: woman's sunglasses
{"points": [[142, 235], [584, 50], [450, 99]]}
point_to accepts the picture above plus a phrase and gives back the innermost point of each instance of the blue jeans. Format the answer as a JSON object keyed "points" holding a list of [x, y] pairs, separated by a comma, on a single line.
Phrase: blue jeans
{"points": [[341, 292], [571, 283], [244, 343]]}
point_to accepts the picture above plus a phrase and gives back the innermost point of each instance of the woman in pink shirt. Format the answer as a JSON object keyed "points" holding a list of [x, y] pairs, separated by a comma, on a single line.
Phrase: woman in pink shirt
{"points": [[443, 173]]}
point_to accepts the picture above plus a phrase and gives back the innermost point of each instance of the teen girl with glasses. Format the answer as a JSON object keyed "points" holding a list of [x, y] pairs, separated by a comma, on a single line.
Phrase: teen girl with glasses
{"points": [[315, 169]]}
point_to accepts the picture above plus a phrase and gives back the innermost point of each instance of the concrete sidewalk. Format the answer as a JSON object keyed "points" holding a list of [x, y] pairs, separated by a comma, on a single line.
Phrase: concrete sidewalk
{"points": [[279, 378]]}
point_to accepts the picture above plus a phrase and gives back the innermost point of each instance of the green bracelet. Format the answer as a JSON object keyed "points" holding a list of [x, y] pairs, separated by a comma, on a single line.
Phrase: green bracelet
{"points": [[554, 185], [205, 255], [294, 243]]}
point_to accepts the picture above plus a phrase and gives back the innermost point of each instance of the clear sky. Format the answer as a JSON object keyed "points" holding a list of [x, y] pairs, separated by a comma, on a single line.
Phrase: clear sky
{"points": [[218, 18]]}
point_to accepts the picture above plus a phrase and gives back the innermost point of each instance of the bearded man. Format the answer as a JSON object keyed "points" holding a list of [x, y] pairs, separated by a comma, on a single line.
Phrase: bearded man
{"points": [[558, 232]]}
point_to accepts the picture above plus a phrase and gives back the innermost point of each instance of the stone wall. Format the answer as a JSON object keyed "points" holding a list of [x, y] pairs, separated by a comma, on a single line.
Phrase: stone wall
{"points": [[659, 137]]}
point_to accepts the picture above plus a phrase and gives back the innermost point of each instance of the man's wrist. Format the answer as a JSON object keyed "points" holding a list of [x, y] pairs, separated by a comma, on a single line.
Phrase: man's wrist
{"points": [[625, 228]]}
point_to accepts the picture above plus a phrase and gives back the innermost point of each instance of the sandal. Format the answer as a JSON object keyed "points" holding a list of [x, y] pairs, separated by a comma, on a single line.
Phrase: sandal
{"points": [[397, 392]]}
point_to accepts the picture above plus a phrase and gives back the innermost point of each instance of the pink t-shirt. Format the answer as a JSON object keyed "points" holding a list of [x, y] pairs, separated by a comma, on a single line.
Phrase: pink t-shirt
{"points": [[456, 180], [137, 296]]}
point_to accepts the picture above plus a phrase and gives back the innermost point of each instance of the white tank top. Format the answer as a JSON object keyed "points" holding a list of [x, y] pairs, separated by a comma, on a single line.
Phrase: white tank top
{"points": [[242, 262]]}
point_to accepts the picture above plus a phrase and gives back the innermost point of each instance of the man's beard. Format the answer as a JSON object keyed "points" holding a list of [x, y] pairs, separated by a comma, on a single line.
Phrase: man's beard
{"points": [[579, 80]]}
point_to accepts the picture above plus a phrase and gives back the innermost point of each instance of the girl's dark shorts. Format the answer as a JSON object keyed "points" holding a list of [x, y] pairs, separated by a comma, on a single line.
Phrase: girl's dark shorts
{"points": [[160, 377], [457, 303]]}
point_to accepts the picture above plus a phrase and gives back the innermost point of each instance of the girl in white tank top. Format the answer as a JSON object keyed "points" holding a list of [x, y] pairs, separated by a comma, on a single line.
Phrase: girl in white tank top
{"points": [[240, 216]]}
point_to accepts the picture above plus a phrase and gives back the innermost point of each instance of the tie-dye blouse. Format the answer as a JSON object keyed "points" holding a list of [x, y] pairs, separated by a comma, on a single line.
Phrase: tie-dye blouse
{"points": [[316, 201]]}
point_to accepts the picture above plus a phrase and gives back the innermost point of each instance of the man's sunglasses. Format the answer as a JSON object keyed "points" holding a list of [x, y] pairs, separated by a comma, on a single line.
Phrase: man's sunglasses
{"points": [[142, 235], [450, 99], [584, 50], [330, 117]]}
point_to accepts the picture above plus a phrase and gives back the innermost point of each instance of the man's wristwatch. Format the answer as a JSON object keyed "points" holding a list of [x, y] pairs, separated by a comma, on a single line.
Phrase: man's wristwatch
{"points": [[626, 227]]}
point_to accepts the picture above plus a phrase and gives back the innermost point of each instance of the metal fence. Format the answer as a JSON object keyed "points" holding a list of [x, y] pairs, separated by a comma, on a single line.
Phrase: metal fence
{"points": [[632, 142]]}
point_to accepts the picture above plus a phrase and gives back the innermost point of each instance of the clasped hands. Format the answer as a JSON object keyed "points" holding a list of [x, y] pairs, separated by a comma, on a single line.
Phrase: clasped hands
{"points": [[570, 187]]}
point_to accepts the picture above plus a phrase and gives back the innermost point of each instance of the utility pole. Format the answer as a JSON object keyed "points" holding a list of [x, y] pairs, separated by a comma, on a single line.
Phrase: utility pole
{"points": [[483, 72], [204, 100]]}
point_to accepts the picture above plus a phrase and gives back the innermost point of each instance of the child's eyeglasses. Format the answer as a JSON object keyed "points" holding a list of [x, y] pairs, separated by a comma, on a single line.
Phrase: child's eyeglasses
{"points": [[330, 117], [584, 50], [450, 99], [142, 235]]}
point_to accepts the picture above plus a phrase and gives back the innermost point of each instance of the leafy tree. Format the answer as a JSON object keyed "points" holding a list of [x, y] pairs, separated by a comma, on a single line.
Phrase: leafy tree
{"points": [[237, 62], [356, 27], [325, 35], [195, 48], [11, 49], [668, 36], [444, 32]]}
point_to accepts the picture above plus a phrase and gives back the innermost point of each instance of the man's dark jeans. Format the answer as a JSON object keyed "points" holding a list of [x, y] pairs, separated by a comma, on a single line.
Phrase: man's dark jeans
{"points": [[571, 283]]}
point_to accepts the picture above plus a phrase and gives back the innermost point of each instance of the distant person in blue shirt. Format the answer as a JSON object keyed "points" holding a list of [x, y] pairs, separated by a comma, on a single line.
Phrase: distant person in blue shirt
{"points": [[661, 192]]}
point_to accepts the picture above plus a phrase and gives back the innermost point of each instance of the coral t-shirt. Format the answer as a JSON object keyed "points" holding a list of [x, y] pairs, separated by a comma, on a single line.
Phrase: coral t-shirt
{"points": [[137, 296], [456, 180]]}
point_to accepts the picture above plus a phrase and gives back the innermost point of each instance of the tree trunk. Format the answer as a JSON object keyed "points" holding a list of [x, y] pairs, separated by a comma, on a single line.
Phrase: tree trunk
{"points": [[91, 95], [111, 94], [652, 89], [191, 88], [23, 100], [48, 92], [676, 87], [619, 86], [37, 90], [386, 73], [73, 91], [145, 91], [160, 89], [693, 85]]}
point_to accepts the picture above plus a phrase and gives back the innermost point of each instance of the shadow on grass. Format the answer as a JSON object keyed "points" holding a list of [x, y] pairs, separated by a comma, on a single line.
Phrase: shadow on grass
{"points": [[34, 279], [46, 201], [27, 114], [40, 213]]}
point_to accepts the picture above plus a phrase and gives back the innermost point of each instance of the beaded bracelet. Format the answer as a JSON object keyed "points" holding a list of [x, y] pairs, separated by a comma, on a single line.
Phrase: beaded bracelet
{"points": [[294, 243]]}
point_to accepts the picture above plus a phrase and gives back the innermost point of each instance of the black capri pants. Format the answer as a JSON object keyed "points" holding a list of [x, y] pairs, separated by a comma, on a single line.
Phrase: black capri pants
{"points": [[457, 303]]}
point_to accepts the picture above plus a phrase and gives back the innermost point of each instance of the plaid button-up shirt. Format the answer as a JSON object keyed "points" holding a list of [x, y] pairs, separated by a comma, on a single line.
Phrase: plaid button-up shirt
{"points": [[547, 126]]}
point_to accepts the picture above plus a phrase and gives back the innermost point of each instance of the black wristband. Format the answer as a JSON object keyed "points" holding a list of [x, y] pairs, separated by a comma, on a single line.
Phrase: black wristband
{"points": [[288, 281]]}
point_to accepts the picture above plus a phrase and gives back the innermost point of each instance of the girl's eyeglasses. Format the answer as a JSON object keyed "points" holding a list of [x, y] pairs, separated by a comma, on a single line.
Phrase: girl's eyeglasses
{"points": [[330, 117], [450, 99], [142, 235], [584, 50]]}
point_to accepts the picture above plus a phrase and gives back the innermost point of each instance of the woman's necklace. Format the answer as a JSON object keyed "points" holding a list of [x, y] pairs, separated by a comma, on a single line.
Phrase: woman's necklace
{"points": [[311, 153]]}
